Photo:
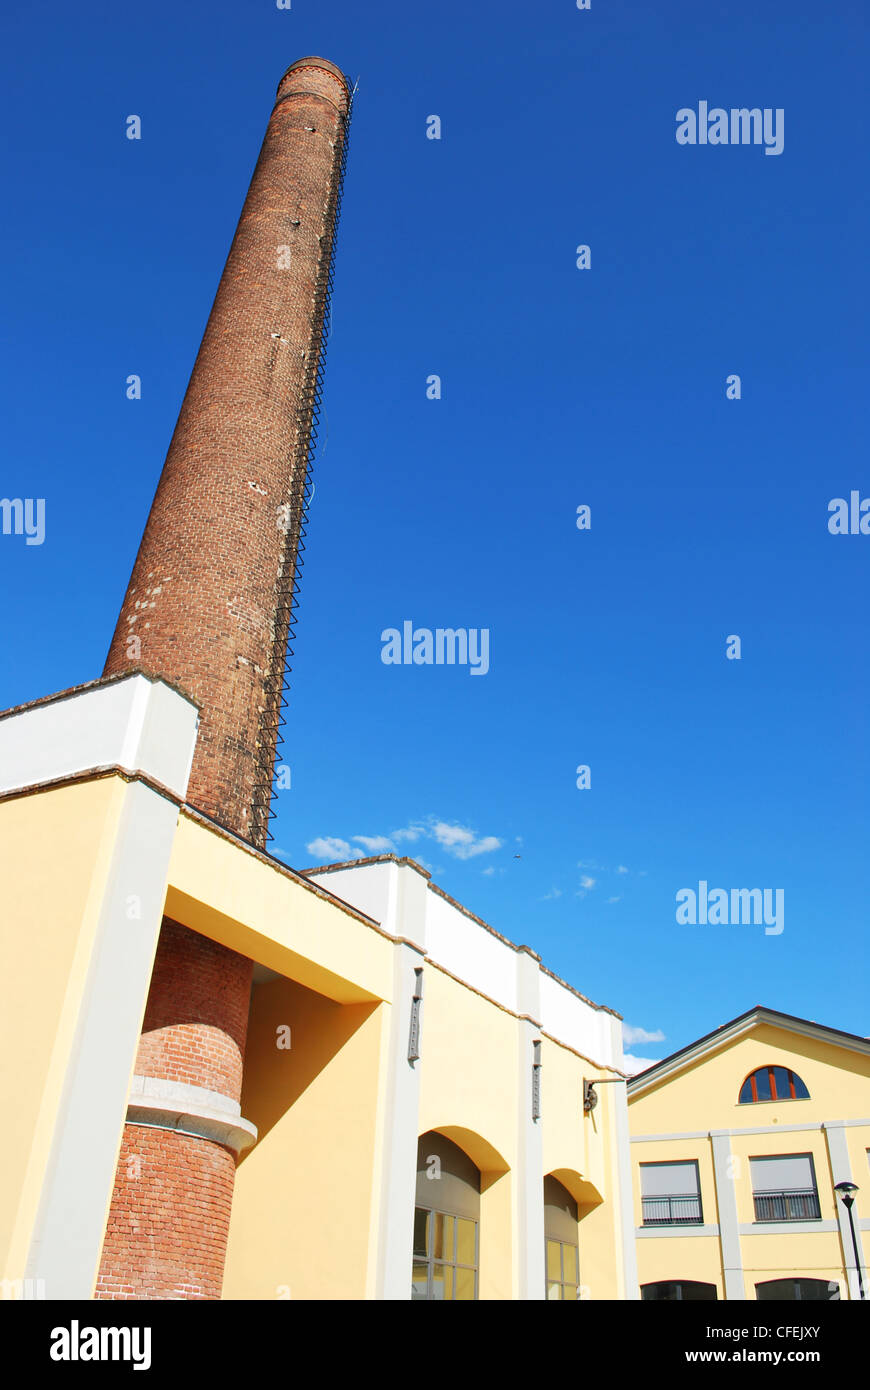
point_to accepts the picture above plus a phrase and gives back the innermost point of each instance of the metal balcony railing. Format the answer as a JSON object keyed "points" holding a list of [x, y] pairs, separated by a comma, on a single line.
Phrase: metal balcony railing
{"points": [[797, 1204], [672, 1211]]}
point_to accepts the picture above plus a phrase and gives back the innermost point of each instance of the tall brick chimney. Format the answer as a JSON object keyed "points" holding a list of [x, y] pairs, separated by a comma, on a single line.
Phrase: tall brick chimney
{"points": [[208, 608], [210, 597]]}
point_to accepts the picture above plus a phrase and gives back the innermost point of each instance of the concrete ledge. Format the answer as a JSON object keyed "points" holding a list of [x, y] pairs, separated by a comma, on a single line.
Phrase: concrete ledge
{"points": [[194, 1110], [788, 1228], [654, 1232]]}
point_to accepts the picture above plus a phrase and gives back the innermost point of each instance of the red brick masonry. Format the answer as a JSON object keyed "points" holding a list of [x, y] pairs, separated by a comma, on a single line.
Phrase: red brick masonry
{"points": [[169, 1218], [206, 610], [201, 606], [196, 1017]]}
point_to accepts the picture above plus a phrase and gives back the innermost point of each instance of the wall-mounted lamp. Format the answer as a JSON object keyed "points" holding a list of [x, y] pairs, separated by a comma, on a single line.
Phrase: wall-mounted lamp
{"points": [[590, 1099]]}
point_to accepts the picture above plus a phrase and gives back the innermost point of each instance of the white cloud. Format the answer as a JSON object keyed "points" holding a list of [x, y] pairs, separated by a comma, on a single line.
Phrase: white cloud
{"points": [[632, 1035], [457, 840], [461, 842], [451, 835], [375, 844], [488, 872], [411, 832], [328, 849], [633, 1065], [587, 882], [621, 869], [553, 893], [615, 900]]}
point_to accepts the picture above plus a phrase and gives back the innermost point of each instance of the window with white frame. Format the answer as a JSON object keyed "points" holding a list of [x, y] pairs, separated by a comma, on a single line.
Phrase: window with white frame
{"points": [[784, 1188], [671, 1194]]}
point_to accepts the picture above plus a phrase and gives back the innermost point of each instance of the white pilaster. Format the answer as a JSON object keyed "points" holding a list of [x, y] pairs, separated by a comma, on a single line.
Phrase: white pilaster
{"points": [[841, 1168], [623, 1197], [150, 729], [529, 1175], [402, 1105], [729, 1227]]}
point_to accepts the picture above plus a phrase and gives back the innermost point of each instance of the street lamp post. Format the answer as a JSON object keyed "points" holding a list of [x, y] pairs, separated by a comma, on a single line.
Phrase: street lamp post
{"points": [[847, 1197]]}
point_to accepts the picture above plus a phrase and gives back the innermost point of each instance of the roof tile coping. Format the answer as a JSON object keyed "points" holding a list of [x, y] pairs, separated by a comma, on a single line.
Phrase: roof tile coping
{"points": [[97, 684], [412, 863]]}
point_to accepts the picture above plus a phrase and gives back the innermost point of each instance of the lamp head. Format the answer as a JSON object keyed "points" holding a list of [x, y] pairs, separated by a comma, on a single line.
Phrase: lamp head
{"points": [[847, 1191]]}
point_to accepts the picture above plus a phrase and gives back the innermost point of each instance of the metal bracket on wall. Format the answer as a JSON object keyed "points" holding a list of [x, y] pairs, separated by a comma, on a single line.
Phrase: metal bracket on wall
{"points": [[590, 1099], [414, 1030], [536, 1079]]}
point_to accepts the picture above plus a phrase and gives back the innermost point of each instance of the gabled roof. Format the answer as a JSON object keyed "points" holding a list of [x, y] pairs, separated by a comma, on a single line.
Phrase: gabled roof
{"points": [[739, 1027]]}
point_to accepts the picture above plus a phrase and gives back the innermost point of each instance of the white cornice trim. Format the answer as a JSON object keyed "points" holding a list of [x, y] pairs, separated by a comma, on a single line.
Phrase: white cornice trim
{"points": [[739, 1028], [808, 1128]]}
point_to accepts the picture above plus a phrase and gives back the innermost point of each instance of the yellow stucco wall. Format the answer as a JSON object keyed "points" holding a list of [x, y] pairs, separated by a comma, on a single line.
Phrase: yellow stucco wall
{"points": [[468, 1091], [306, 1205], [306, 1209], [55, 852], [306, 1199], [836, 1079], [704, 1097], [220, 889], [580, 1151]]}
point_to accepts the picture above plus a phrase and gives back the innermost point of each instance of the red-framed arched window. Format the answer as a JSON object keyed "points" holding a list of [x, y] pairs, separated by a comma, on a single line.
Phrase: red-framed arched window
{"points": [[772, 1083]]}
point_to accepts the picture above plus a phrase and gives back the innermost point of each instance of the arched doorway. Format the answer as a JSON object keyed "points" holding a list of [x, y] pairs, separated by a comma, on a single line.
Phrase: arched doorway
{"points": [[562, 1236], [446, 1222], [678, 1291]]}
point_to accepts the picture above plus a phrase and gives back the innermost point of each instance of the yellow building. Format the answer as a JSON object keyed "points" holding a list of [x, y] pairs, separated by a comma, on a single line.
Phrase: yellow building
{"points": [[412, 1118], [738, 1145]]}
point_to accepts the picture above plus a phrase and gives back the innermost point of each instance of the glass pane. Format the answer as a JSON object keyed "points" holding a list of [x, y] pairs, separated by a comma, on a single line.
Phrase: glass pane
{"points": [[464, 1241], [780, 1081], [762, 1083], [800, 1090], [442, 1282], [554, 1291], [554, 1261], [570, 1291], [464, 1285], [746, 1092], [438, 1236], [420, 1281], [570, 1268], [421, 1219]]}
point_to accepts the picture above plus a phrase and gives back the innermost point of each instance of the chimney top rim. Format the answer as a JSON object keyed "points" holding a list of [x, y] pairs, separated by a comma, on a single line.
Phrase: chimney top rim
{"points": [[313, 61]]}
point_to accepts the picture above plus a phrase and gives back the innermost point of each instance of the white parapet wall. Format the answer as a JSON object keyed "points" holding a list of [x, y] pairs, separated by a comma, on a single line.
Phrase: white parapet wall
{"points": [[474, 952], [135, 722]]}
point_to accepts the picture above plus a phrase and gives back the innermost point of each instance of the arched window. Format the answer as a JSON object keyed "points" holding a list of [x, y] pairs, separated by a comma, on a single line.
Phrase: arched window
{"points": [[561, 1234], [800, 1290], [678, 1291], [772, 1083], [446, 1220]]}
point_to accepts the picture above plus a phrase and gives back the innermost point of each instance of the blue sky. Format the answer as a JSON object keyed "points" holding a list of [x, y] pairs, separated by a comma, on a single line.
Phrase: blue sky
{"points": [[561, 387]]}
